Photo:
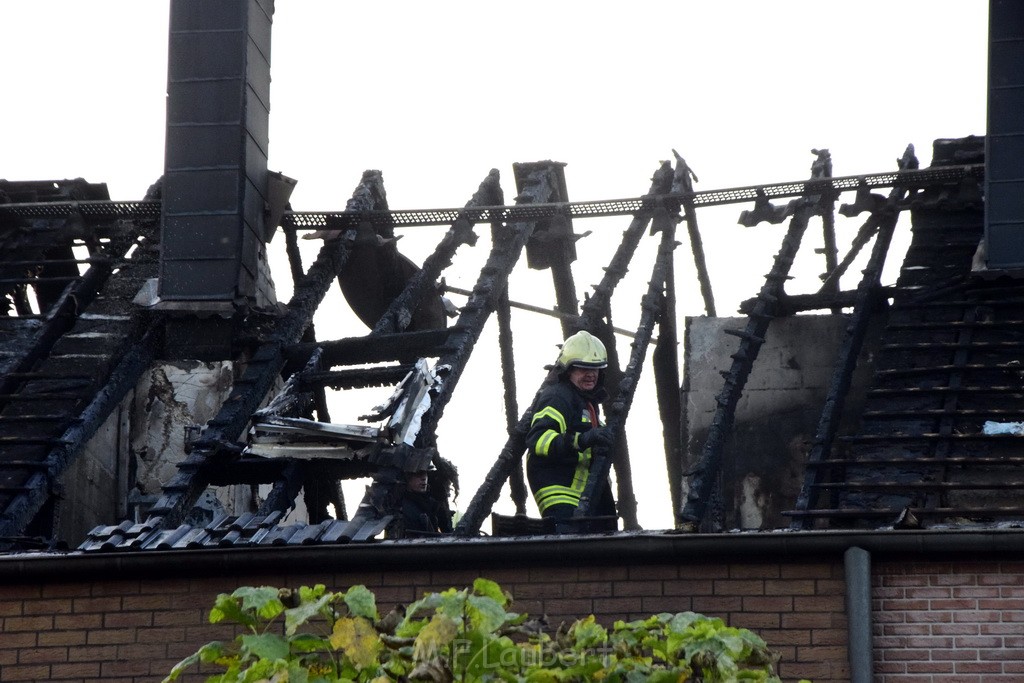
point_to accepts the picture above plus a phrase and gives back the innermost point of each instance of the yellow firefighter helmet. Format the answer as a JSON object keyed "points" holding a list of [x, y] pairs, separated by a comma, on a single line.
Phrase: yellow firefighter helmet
{"points": [[583, 349]]}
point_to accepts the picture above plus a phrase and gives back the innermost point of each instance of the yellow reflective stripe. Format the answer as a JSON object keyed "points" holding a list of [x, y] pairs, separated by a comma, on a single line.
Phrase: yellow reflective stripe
{"points": [[544, 442], [548, 411], [555, 495], [579, 478]]}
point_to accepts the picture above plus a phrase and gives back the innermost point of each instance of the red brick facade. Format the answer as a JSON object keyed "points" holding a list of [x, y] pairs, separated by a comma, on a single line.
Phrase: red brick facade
{"points": [[945, 622]]}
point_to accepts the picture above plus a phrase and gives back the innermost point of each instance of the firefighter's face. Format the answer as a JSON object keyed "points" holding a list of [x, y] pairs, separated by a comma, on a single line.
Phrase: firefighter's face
{"points": [[584, 379], [416, 481]]}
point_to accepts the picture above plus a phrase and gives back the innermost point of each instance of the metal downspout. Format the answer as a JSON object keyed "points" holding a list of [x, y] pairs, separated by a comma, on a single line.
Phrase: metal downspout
{"points": [[857, 566]]}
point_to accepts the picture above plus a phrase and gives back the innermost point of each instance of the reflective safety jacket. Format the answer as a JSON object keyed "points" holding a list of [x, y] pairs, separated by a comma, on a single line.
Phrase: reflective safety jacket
{"points": [[555, 466]]}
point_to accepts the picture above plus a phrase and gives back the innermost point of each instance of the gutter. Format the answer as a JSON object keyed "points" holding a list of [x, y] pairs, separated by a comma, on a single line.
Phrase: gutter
{"points": [[639, 548]]}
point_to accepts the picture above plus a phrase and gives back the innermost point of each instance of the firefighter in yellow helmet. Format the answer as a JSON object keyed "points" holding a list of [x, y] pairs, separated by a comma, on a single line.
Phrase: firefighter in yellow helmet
{"points": [[565, 428]]}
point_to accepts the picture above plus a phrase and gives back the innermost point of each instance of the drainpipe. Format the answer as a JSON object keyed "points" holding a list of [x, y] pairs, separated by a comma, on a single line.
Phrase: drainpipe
{"points": [[857, 565]]}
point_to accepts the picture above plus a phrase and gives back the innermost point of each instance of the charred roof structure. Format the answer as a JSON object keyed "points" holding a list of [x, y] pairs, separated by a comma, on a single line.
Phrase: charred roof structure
{"points": [[98, 292]]}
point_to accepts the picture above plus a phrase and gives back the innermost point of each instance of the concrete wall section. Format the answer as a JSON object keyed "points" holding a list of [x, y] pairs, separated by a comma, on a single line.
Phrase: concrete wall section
{"points": [[93, 486], [777, 414]]}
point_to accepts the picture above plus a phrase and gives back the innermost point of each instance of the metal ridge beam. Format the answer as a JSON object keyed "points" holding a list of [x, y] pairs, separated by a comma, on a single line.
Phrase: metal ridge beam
{"points": [[917, 178]]}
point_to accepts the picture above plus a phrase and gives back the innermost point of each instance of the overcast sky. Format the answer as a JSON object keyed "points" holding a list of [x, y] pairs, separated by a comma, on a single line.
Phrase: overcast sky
{"points": [[437, 93]]}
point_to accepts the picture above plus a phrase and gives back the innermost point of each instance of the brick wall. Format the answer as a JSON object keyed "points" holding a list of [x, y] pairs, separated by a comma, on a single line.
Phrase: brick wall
{"points": [[135, 629], [948, 623]]}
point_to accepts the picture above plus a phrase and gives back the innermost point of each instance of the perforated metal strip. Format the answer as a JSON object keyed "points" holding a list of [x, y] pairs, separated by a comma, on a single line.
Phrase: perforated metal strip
{"points": [[306, 220]]}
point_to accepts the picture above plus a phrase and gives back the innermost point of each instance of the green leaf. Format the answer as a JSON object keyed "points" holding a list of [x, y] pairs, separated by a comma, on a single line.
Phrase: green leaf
{"points": [[180, 667], [265, 645], [588, 633], [490, 589], [307, 642], [228, 607], [480, 654], [452, 603], [211, 652], [307, 594], [485, 613], [296, 673], [361, 602], [682, 621], [297, 616], [264, 601]]}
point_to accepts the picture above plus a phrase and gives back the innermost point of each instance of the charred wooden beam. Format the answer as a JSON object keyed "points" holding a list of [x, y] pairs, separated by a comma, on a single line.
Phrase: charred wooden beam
{"points": [[596, 317], [665, 361], [355, 378], [517, 481], [295, 265], [400, 312], [404, 346], [828, 220], [512, 452], [613, 376], [683, 185], [709, 464], [846, 362], [487, 292], [651, 309], [598, 302], [791, 304]]}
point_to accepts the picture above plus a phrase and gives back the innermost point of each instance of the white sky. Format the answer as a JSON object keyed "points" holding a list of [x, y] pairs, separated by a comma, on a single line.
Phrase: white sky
{"points": [[436, 94]]}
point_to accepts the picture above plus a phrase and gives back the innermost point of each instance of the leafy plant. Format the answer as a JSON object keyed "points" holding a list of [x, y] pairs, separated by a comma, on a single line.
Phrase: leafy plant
{"points": [[461, 635]]}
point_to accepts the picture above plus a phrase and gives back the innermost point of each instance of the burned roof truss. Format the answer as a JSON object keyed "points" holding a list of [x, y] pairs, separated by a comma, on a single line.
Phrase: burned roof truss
{"points": [[281, 444]]}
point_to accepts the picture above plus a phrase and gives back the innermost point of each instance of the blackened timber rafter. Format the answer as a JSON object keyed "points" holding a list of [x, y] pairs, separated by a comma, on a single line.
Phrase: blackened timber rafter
{"points": [[264, 367], [790, 304], [665, 358], [886, 218], [376, 509], [487, 291], [517, 482], [596, 318], [354, 378], [399, 313], [598, 302], [613, 375], [651, 309], [709, 464], [375, 349], [683, 186], [512, 452], [828, 224]]}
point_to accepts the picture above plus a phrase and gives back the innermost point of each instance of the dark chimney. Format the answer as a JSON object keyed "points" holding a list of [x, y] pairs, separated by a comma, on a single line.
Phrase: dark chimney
{"points": [[1004, 142], [215, 166]]}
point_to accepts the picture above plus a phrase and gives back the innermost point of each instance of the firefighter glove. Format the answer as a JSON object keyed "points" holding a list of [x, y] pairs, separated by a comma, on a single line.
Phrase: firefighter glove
{"points": [[597, 436]]}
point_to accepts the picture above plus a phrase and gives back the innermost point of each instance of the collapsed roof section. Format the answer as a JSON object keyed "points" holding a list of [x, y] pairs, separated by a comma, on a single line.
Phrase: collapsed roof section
{"points": [[282, 446]]}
